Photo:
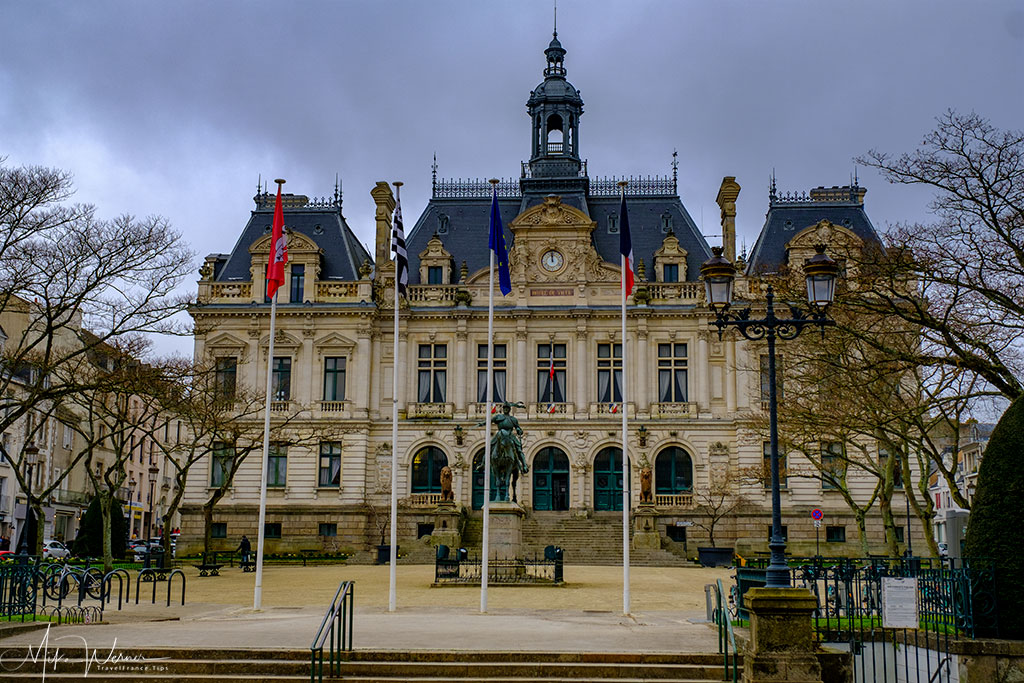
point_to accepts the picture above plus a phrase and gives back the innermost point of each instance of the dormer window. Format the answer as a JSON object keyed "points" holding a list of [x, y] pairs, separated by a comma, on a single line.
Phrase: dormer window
{"points": [[670, 272], [435, 275], [442, 224], [613, 224], [666, 222], [435, 263]]}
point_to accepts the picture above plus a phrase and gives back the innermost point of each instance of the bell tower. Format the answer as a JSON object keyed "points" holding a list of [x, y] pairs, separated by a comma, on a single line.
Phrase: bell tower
{"points": [[555, 107]]}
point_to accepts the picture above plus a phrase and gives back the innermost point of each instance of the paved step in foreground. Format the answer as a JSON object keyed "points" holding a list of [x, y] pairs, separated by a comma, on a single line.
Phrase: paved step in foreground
{"points": [[161, 665]]}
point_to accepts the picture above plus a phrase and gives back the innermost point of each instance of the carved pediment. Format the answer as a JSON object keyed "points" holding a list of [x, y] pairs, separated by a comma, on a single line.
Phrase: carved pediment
{"points": [[222, 343], [670, 253], [333, 342], [825, 232], [282, 340], [297, 243]]}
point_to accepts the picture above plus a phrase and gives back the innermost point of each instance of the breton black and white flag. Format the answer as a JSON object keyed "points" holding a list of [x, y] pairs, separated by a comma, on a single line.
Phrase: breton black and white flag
{"points": [[398, 250]]}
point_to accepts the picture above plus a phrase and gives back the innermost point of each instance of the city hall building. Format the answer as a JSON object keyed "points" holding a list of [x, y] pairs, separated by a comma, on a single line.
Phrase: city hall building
{"points": [[558, 349]]}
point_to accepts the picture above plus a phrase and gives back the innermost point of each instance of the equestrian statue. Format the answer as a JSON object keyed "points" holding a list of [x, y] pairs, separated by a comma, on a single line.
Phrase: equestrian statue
{"points": [[507, 458]]}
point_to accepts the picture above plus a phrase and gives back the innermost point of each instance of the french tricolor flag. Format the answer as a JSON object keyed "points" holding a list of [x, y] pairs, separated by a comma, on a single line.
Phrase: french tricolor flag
{"points": [[613, 408], [626, 246], [551, 408]]}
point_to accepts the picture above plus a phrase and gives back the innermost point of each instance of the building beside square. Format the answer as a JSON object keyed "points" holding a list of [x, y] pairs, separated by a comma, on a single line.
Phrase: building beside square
{"points": [[558, 350]]}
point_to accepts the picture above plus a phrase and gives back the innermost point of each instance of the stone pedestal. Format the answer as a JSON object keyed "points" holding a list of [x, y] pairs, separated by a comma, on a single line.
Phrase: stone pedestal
{"points": [[446, 525], [645, 527], [506, 530], [781, 646]]}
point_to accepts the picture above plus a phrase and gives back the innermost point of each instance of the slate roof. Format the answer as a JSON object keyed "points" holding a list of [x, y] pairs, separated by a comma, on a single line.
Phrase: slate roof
{"points": [[790, 214], [322, 222], [469, 221]]}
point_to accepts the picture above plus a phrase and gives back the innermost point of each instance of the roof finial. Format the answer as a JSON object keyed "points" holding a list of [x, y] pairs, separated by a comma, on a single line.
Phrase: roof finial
{"points": [[337, 191], [259, 183], [555, 32], [771, 188], [675, 171], [433, 169]]}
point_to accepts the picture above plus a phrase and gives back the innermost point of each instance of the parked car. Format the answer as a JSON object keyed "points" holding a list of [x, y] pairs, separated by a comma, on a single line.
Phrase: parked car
{"points": [[54, 550]]}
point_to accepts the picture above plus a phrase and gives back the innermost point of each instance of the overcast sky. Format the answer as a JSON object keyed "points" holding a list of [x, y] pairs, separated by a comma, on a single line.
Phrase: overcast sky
{"points": [[176, 108]]}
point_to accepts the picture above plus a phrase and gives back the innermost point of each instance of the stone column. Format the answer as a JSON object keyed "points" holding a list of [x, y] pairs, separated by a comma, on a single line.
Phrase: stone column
{"points": [[730, 376], [703, 373], [579, 368], [361, 395], [385, 202], [462, 361], [726, 199], [781, 644], [522, 365], [375, 386], [643, 369]]}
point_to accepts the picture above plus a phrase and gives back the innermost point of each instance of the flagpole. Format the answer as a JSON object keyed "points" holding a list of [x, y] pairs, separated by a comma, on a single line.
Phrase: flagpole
{"points": [[484, 560], [393, 570], [625, 452], [257, 594]]}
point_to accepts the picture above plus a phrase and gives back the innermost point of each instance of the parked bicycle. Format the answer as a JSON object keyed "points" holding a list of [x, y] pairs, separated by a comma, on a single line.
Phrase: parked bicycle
{"points": [[60, 582]]}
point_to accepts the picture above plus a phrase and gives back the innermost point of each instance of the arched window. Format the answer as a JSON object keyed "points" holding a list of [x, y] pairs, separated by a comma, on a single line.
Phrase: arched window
{"points": [[673, 471], [551, 480], [555, 134], [426, 470], [497, 493], [608, 479]]}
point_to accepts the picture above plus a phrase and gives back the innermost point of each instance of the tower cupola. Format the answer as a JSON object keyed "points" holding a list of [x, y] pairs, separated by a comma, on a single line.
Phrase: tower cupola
{"points": [[555, 107]]}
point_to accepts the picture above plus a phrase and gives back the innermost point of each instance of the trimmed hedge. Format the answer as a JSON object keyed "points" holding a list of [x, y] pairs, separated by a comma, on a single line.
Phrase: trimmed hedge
{"points": [[996, 527]]}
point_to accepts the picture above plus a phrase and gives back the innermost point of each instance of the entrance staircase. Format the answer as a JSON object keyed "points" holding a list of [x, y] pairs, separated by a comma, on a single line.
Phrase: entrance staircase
{"points": [[161, 665], [593, 541]]}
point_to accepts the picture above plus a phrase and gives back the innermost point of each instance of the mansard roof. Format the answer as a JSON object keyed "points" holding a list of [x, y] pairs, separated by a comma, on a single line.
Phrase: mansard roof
{"points": [[460, 215], [789, 214], [319, 220]]}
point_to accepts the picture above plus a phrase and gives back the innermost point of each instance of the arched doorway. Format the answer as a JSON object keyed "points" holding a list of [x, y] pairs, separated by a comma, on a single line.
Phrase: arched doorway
{"points": [[551, 480], [426, 470], [673, 472], [608, 479], [497, 493]]}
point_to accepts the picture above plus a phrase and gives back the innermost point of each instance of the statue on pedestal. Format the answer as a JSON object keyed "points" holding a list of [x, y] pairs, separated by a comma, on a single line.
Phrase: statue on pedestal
{"points": [[507, 458]]}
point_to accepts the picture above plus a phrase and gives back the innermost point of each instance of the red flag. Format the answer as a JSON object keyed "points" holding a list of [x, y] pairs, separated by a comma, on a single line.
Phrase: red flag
{"points": [[278, 249]]}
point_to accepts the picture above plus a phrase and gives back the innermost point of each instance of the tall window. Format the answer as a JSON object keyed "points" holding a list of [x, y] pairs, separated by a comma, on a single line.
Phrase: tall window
{"points": [[281, 382], [766, 379], [609, 373], [551, 363], [334, 379], [500, 367], [767, 467], [435, 275], [330, 464], [673, 471], [833, 466], [220, 463], [671, 272], [297, 284], [227, 372], [277, 465], [433, 373], [426, 470], [672, 373]]}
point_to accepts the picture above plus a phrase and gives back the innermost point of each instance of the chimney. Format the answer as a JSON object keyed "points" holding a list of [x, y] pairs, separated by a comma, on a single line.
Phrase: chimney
{"points": [[385, 202], [726, 199]]}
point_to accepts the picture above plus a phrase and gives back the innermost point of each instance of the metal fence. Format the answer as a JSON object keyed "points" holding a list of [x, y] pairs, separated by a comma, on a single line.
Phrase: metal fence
{"points": [[955, 599], [463, 569]]}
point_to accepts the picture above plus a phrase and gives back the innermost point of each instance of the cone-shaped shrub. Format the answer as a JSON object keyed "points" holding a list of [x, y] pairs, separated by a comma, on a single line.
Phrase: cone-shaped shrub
{"points": [[996, 527], [89, 542]]}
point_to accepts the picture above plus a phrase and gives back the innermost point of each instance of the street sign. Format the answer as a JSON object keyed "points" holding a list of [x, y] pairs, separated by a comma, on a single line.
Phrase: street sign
{"points": [[817, 514], [817, 524]]}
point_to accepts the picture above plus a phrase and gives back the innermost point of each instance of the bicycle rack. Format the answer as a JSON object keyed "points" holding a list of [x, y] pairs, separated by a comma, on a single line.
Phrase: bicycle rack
{"points": [[122, 577], [170, 577]]}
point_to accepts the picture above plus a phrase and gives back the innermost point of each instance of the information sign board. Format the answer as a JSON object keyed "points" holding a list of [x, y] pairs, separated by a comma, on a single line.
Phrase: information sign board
{"points": [[899, 603]]}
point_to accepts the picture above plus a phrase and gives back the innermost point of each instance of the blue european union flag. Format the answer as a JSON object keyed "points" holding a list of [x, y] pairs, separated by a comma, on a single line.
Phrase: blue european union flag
{"points": [[496, 242]]}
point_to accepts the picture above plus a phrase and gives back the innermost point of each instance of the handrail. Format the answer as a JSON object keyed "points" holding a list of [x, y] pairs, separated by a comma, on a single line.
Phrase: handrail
{"points": [[726, 635], [336, 628]]}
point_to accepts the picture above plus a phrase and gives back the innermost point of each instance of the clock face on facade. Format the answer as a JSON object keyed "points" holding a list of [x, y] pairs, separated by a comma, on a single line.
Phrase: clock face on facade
{"points": [[552, 260]]}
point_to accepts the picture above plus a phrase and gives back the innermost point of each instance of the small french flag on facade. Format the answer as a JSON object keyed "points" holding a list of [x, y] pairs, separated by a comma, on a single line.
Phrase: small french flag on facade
{"points": [[494, 409], [613, 408], [551, 408]]}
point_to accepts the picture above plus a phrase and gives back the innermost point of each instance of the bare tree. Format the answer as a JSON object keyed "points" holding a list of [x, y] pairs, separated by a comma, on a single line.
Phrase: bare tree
{"points": [[968, 266], [716, 502]]}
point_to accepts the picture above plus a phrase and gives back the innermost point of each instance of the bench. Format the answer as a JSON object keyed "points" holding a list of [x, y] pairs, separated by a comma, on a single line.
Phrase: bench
{"points": [[248, 565], [208, 569]]}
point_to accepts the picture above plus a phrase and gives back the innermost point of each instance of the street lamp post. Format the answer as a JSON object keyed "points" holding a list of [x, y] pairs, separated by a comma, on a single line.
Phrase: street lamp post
{"points": [[131, 506], [719, 274], [31, 458], [154, 471]]}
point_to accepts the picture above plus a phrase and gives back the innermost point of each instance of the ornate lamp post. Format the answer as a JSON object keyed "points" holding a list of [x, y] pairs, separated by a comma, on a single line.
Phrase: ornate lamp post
{"points": [[719, 274], [154, 472], [31, 458], [131, 507]]}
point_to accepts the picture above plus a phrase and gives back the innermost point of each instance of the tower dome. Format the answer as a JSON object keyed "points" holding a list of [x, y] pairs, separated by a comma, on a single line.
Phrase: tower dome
{"points": [[555, 107]]}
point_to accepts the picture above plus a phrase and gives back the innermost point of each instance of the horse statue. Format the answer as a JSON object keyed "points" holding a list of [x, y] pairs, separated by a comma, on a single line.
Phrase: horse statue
{"points": [[507, 458]]}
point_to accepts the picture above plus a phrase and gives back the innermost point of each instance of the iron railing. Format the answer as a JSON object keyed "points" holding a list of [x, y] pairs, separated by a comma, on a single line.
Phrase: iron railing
{"points": [[335, 633], [726, 635], [19, 588], [509, 571], [955, 599]]}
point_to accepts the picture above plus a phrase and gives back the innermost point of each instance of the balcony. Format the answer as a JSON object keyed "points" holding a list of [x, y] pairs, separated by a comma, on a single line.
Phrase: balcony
{"points": [[437, 295], [71, 497], [669, 411], [423, 500], [431, 411], [676, 291], [334, 292], [674, 500], [280, 406], [339, 409], [609, 410], [557, 411]]}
